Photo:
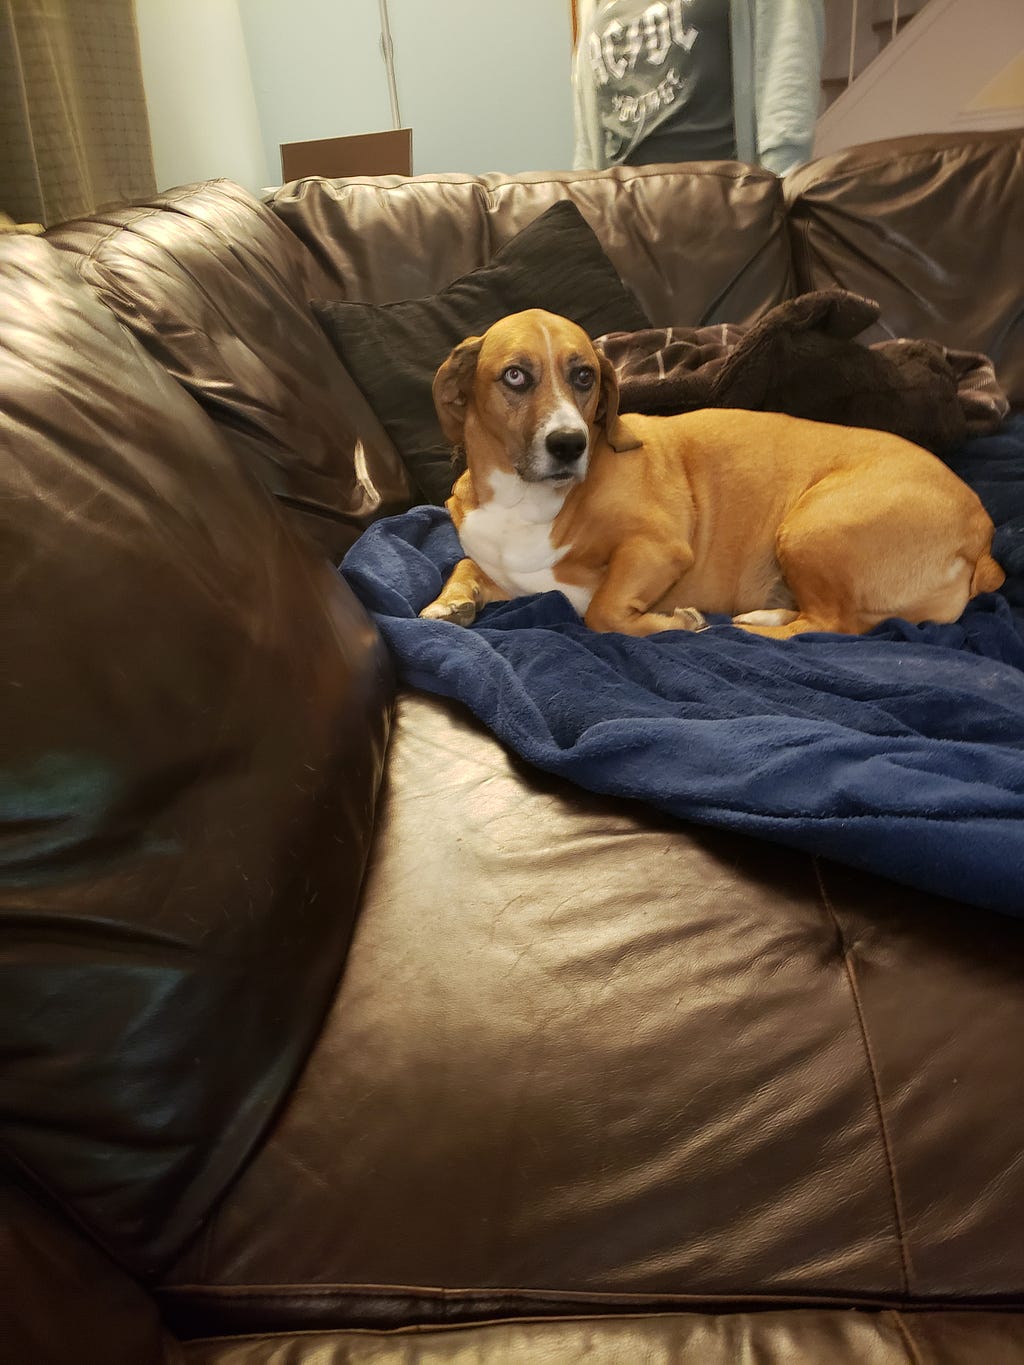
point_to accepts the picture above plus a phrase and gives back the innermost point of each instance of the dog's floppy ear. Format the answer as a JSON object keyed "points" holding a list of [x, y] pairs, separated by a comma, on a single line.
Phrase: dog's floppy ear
{"points": [[453, 384], [616, 433]]}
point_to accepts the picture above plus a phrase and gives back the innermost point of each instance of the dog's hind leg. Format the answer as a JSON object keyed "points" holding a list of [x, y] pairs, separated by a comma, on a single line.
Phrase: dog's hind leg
{"points": [[783, 630], [779, 617], [908, 551]]}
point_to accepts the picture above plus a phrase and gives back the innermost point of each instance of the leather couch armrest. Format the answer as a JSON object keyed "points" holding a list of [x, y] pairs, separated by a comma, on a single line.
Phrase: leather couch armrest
{"points": [[67, 1300]]}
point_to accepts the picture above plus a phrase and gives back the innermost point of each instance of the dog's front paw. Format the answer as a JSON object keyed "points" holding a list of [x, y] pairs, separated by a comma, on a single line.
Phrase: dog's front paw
{"points": [[458, 613], [688, 618]]}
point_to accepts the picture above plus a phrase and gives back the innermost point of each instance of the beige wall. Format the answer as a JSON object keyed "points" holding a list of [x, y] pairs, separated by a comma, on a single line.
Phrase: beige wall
{"points": [[202, 110]]}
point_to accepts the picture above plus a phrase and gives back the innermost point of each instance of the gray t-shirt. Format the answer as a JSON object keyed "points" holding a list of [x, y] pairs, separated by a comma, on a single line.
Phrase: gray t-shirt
{"points": [[663, 77]]}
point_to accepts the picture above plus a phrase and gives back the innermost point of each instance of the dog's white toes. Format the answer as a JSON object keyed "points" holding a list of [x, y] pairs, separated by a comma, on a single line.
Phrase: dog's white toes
{"points": [[689, 618], [458, 613]]}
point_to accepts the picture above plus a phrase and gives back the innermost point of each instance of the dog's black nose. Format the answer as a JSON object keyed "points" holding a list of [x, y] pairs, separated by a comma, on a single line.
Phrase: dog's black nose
{"points": [[566, 444]]}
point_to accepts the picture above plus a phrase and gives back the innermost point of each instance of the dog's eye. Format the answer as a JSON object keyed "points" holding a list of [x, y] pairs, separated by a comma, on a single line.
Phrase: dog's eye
{"points": [[583, 377], [515, 377]]}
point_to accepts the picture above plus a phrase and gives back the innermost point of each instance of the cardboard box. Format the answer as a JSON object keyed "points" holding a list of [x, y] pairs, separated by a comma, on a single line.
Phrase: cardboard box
{"points": [[387, 153]]}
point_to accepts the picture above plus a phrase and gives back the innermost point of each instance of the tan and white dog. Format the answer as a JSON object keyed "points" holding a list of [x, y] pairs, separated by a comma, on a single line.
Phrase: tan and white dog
{"points": [[785, 525]]}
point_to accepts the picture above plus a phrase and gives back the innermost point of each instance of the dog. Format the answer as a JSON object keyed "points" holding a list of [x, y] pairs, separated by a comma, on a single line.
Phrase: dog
{"points": [[649, 524]]}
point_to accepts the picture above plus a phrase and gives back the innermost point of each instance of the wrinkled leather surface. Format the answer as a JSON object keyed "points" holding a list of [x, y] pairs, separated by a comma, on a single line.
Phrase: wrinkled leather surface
{"points": [[805, 1338], [194, 716], [695, 245], [62, 1302], [586, 1058], [582, 1060], [933, 228], [218, 293]]}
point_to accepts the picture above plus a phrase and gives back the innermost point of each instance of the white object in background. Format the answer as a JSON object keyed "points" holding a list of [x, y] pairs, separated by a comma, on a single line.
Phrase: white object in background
{"points": [[387, 48]]}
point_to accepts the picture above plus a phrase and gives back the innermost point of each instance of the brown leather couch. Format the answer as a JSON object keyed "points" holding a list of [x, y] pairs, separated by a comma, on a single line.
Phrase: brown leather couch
{"points": [[331, 1032]]}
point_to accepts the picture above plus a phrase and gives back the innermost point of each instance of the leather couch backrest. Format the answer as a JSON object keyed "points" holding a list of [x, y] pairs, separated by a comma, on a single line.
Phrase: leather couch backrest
{"points": [[218, 292], [195, 711], [932, 227], [697, 244]]}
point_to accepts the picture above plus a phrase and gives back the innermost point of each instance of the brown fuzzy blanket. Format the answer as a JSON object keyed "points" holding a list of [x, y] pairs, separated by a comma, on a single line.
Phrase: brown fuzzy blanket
{"points": [[802, 358]]}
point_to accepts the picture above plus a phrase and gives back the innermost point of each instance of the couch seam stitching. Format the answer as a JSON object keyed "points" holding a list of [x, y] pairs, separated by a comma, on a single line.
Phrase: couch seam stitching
{"points": [[873, 1071], [913, 1355], [743, 171]]}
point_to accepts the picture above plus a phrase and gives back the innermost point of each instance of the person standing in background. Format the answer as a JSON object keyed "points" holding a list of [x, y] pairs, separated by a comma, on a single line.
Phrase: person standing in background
{"points": [[696, 80]]}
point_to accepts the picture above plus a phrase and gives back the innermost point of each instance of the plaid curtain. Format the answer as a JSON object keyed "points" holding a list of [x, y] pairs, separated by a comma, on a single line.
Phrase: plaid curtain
{"points": [[74, 133]]}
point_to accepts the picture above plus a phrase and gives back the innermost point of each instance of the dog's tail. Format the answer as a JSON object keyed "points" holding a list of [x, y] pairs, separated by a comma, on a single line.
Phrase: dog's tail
{"points": [[987, 575]]}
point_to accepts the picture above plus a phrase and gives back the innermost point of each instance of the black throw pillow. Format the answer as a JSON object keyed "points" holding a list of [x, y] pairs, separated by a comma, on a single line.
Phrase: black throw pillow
{"points": [[393, 350]]}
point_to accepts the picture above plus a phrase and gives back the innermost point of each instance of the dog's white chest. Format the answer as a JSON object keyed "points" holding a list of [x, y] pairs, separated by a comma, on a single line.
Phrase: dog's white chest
{"points": [[509, 536]]}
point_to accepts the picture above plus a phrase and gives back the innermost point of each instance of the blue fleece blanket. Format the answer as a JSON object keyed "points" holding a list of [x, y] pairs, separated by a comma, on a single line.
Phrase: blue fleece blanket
{"points": [[901, 752]]}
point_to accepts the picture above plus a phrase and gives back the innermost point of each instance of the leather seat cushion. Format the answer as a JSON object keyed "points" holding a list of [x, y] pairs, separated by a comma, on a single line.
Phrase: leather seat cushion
{"points": [[583, 1054]]}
